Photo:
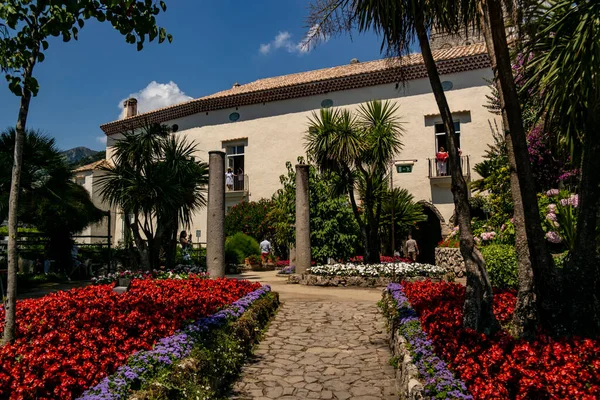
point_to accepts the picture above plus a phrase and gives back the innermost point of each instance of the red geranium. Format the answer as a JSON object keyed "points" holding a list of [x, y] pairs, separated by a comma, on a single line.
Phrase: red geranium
{"points": [[499, 366], [68, 341]]}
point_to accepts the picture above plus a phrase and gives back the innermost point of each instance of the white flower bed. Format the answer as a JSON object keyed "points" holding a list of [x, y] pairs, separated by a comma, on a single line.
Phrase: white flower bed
{"points": [[379, 270]]}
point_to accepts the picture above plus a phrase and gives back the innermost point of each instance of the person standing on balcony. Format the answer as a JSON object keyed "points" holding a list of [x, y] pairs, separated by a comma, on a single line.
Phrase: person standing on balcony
{"points": [[442, 160], [229, 179], [240, 178]]}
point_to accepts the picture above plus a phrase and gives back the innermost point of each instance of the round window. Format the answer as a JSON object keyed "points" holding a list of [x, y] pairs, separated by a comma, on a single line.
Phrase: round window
{"points": [[327, 103], [447, 85], [234, 116]]}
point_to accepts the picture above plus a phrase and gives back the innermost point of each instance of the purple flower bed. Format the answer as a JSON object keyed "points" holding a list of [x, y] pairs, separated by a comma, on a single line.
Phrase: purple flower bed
{"points": [[287, 270], [143, 365], [439, 382]]}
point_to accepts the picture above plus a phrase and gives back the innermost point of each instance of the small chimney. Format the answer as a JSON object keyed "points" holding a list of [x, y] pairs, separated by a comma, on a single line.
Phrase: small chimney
{"points": [[354, 61], [130, 107], [236, 85]]}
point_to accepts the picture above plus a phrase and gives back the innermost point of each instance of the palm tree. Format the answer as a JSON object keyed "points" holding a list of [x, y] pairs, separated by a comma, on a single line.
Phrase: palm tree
{"points": [[158, 185], [566, 75], [358, 149], [400, 23], [399, 206], [49, 200]]}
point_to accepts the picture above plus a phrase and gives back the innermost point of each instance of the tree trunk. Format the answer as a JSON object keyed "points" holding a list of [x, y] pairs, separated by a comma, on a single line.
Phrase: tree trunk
{"points": [[478, 308], [140, 244], [10, 322], [545, 276], [582, 271], [525, 315]]}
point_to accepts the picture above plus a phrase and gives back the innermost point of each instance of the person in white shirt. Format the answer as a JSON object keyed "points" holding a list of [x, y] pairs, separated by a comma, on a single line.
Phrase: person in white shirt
{"points": [[229, 179], [265, 249]]}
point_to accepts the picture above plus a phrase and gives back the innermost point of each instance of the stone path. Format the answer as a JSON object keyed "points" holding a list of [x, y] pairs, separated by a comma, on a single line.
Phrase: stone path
{"points": [[315, 349]]}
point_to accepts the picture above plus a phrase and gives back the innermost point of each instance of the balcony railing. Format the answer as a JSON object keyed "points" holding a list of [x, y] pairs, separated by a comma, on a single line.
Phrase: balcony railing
{"points": [[241, 183], [436, 172]]}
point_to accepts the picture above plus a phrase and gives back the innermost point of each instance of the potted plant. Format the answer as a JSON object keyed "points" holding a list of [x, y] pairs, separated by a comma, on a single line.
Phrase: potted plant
{"points": [[255, 262]]}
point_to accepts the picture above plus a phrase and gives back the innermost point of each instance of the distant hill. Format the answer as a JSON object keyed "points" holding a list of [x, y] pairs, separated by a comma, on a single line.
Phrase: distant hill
{"points": [[79, 156], [100, 155]]}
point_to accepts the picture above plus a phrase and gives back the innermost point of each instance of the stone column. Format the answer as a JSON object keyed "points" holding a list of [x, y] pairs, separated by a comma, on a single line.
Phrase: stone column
{"points": [[303, 256], [215, 237]]}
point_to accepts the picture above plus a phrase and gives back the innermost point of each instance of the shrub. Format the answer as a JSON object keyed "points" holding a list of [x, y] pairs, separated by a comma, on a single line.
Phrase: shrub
{"points": [[501, 261], [240, 246]]}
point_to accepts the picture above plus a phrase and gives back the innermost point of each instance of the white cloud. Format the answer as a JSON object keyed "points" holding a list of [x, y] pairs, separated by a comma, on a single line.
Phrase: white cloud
{"points": [[283, 40], [265, 49], [156, 95], [101, 139]]}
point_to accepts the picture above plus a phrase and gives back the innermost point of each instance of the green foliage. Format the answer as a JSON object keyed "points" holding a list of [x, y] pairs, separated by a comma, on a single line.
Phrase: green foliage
{"points": [[406, 213], [156, 181], [251, 218], [215, 361], [501, 263], [49, 199], [27, 26], [357, 149], [559, 214], [240, 246], [565, 65], [334, 232], [495, 180]]}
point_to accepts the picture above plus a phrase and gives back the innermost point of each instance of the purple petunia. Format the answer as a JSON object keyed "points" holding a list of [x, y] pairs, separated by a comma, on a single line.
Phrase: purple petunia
{"points": [[438, 379], [168, 350]]}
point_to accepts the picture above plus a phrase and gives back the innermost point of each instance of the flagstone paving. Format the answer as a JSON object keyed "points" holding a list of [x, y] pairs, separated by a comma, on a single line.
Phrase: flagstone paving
{"points": [[321, 345]]}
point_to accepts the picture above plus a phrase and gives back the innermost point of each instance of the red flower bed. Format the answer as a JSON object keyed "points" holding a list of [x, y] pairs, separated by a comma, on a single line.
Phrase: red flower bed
{"points": [[499, 366], [68, 341]]}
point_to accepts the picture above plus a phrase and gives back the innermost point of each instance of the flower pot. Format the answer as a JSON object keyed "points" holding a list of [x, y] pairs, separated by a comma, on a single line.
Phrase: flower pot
{"points": [[125, 282]]}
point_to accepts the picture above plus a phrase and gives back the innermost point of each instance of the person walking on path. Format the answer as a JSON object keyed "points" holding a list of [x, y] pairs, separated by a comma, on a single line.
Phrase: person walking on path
{"points": [[412, 248], [265, 249]]}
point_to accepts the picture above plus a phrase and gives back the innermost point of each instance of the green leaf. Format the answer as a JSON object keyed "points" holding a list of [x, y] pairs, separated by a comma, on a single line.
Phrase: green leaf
{"points": [[41, 57], [140, 45], [170, 38], [80, 22], [162, 33], [44, 45], [163, 6]]}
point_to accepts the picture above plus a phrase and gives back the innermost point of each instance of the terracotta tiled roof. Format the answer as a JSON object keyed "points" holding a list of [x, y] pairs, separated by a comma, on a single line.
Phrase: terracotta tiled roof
{"points": [[310, 83], [93, 166]]}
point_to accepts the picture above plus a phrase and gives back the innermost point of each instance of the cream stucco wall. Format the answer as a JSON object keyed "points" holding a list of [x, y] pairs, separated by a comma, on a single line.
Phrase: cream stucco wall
{"points": [[275, 133]]}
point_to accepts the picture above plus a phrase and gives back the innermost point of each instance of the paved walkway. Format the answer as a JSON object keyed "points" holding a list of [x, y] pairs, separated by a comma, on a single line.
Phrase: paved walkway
{"points": [[324, 343]]}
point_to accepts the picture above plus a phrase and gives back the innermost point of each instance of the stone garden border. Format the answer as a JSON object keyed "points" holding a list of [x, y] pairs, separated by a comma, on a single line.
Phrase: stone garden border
{"points": [[451, 259], [420, 373]]}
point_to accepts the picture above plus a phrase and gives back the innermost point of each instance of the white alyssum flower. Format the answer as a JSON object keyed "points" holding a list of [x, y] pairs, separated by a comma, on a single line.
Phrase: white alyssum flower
{"points": [[379, 270]]}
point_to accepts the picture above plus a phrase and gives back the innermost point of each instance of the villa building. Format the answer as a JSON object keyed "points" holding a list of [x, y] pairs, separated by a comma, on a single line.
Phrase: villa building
{"points": [[261, 125]]}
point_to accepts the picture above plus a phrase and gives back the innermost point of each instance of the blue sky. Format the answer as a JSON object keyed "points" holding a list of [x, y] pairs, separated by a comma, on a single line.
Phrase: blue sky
{"points": [[216, 43]]}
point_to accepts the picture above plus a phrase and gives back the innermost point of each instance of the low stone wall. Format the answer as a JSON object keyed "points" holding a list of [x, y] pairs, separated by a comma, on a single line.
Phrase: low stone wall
{"points": [[359, 281], [408, 385], [450, 258]]}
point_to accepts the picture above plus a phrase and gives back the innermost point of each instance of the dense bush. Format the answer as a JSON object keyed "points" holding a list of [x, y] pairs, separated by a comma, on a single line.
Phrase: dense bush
{"points": [[501, 262], [240, 246], [251, 218]]}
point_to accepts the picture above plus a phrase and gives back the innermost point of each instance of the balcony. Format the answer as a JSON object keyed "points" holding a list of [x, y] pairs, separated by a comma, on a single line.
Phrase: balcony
{"points": [[439, 179], [241, 185]]}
